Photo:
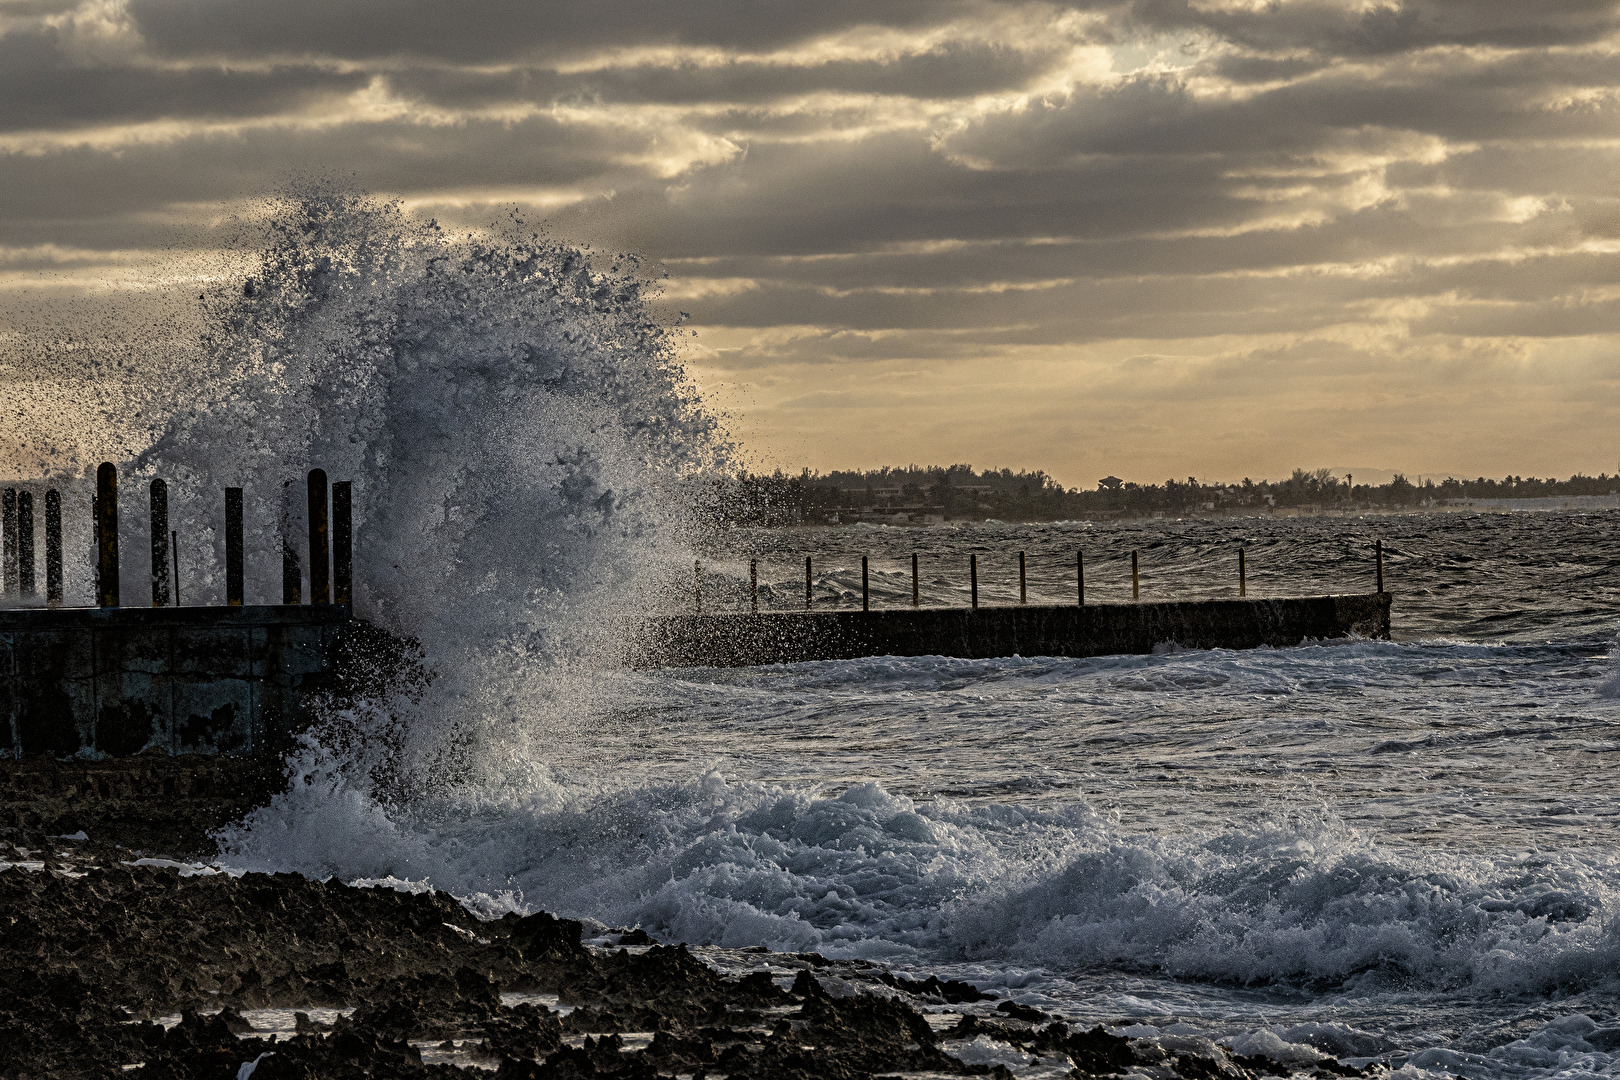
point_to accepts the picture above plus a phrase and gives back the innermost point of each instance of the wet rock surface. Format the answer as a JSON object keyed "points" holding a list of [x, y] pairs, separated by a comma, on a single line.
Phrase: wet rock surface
{"points": [[112, 964], [156, 802]]}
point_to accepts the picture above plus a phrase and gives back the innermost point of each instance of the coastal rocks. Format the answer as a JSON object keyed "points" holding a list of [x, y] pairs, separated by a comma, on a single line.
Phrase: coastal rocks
{"points": [[153, 801], [110, 963]]}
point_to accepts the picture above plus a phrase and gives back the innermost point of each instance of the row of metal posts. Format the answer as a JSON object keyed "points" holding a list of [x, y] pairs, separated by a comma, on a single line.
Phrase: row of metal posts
{"points": [[973, 579], [331, 545], [17, 543]]}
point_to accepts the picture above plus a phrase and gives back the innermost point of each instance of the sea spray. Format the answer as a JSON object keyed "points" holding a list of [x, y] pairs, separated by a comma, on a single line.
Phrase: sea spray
{"points": [[527, 453]]}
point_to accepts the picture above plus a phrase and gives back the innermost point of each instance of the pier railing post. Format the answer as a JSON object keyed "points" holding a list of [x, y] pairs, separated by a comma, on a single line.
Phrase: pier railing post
{"points": [[1243, 575], [320, 552], [753, 586], [1080, 578], [291, 575], [1023, 591], [160, 543], [1378, 553], [1136, 582], [343, 542], [973, 578], [107, 535], [233, 547], [807, 593], [8, 539], [866, 598], [25, 543], [916, 592], [53, 547]]}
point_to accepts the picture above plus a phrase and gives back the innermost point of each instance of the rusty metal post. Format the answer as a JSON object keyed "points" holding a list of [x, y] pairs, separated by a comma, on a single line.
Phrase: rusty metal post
{"points": [[866, 596], [807, 595], [107, 535], [973, 578], [1136, 582], [343, 542], [1023, 591], [1378, 551], [233, 547], [53, 547], [1243, 575], [8, 539], [916, 593], [753, 586], [160, 543], [1080, 577], [320, 540], [25, 543]]}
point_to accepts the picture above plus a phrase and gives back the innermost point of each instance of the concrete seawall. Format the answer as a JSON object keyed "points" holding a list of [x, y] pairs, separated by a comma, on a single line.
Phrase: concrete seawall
{"points": [[726, 640], [119, 681]]}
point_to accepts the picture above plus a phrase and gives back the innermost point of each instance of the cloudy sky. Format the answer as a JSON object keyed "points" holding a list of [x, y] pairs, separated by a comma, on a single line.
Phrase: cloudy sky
{"points": [[1154, 238]]}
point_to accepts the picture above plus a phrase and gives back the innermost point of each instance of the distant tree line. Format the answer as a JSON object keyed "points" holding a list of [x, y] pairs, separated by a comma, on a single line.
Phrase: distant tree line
{"points": [[959, 492]]}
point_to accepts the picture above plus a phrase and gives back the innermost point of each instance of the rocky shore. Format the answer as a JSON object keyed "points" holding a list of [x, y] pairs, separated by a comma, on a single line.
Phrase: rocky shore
{"points": [[115, 961]]}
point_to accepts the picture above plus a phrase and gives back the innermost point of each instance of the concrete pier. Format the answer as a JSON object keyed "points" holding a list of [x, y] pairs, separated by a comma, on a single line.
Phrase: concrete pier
{"points": [[729, 640], [119, 681]]}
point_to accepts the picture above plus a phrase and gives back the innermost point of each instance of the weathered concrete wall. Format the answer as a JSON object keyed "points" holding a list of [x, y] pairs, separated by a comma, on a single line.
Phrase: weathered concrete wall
{"points": [[183, 680], [1094, 630]]}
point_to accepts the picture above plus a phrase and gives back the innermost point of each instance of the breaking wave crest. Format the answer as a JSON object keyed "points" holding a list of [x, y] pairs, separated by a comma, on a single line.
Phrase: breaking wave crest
{"points": [[523, 440], [1307, 903]]}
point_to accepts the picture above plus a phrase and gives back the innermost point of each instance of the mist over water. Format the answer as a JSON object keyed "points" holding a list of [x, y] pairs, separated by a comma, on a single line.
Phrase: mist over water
{"points": [[1396, 850]]}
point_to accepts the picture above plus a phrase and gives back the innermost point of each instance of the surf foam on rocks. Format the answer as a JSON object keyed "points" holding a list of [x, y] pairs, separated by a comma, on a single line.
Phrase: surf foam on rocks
{"points": [[184, 970]]}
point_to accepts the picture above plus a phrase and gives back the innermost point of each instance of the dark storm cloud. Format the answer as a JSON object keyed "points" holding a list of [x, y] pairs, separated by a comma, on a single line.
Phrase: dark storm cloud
{"points": [[956, 70], [481, 31], [44, 87], [1336, 29], [82, 182]]}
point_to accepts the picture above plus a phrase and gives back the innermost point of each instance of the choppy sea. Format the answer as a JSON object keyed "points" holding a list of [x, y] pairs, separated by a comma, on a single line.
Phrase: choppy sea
{"points": [[1389, 851]]}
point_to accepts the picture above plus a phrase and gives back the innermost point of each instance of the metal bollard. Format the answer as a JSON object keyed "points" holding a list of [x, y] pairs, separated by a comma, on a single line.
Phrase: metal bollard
{"points": [[1378, 551], [1243, 575], [1080, 577], [973, 578], [320, 540], [159, 493], [866, 596], [343, 542], [1136, 582], [916, 594], [8, 539], [107, 535], [753, 586], [1023, 592], [53, 547], [807, 583], [25, 544]]}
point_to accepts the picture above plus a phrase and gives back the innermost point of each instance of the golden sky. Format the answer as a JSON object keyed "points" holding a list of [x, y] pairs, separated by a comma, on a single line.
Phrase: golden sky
{"points": [[1151, 238]]}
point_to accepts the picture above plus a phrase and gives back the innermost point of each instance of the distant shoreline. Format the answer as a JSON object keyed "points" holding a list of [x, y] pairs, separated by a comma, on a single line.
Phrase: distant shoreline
{"points": [[1579, 503]]}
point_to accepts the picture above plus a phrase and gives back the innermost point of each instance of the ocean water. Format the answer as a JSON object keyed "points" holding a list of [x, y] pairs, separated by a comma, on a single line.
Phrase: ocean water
{"points": [[1398, 851], [1401, 851]]}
